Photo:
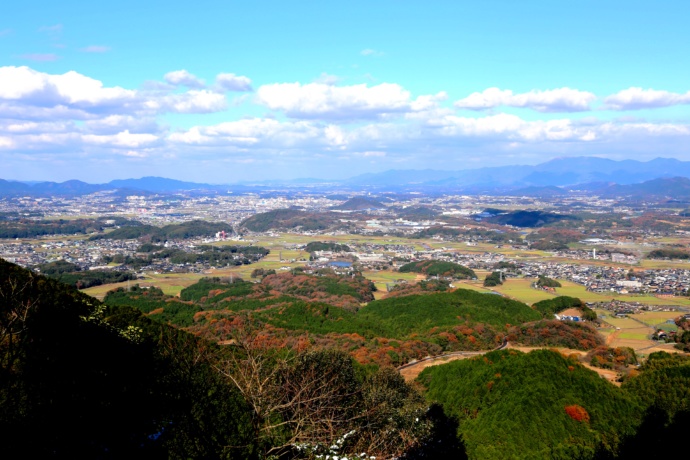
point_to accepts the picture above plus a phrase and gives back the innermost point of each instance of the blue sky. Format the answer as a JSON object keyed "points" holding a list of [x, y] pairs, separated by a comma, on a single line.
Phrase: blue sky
{"points": [[230, 91]]}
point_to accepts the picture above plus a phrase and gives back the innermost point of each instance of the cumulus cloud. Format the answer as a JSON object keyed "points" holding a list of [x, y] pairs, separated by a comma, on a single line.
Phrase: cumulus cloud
{"points": [[71, 115], [264, 132], [428, 102], [318, 100], [121, 139], [511, 127], [26, 93], [113, 124], [232, 82], [193, 101], [95, 49], [555, 100], [6, 142], [69, 89], [637, 98], [184, 78]]}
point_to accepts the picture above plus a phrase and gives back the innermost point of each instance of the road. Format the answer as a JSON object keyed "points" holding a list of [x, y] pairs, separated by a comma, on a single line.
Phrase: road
{"points": [[410, 371]]}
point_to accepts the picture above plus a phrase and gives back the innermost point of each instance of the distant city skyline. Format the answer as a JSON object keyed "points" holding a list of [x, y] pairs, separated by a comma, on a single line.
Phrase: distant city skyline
{"points": [[223, 93]]}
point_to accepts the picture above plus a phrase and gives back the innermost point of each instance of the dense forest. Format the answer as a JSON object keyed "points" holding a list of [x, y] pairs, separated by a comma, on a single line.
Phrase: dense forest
{"points": [[285, 219], [73, 275], [549, 307], [326, 310], [438, 268], [525, 218], [83, 380], [192, 229], [326, 246], [31, 228], [240, 370]]}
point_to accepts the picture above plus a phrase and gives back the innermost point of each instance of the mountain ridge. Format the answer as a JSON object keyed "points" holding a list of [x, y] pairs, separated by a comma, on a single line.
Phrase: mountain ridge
{"points": [[558, 172]]}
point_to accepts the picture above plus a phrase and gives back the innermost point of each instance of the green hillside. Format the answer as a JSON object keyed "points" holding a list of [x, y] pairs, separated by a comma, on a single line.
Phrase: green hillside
{"points": [[284, 219], [537, 405], [439, 268]]}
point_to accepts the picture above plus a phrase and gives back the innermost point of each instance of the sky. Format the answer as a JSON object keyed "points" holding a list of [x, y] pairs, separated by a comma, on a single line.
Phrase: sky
{"points": [[226, 92]]}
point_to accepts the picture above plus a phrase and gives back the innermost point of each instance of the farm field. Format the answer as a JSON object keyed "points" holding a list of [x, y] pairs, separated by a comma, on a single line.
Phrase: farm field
{"points": [[661, 264], [655, 318], [473, 285], [383, 277], [520, 289], [632, 333], [171, 283], [576, 290]]}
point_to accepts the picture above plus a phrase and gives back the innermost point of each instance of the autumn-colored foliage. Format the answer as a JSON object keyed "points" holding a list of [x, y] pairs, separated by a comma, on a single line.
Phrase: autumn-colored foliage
{"points": [[577, 413], [556, 333]]}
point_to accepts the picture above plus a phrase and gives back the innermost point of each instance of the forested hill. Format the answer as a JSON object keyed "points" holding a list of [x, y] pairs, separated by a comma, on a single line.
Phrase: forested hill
{"points": [[536, 405], [79, 380], [191, 229], [288, 219], [360, 203], [544, 405], [439, 268]]}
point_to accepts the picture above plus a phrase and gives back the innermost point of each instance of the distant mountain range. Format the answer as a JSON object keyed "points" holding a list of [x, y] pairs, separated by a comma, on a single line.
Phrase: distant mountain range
{"points": [[552, 178], [558, 172], [130, 186]]}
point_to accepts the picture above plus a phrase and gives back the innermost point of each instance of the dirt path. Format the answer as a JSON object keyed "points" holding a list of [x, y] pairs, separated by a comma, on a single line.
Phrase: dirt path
{"points": [[412, 370], [612, 336]]}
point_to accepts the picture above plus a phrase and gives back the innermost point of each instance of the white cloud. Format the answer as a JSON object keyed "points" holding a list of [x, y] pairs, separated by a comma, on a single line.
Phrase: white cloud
{"points": [[193, 101], [184, 78], [232, 82], [511, 127], [95, 49], [263, 133], [637, 98], [122, 139], [428, 102], [335, 136], [317, 100], [555, 100], [6, 142], [32, 127], [26, 93], [112, 124], [72, 116], [71, 89]]}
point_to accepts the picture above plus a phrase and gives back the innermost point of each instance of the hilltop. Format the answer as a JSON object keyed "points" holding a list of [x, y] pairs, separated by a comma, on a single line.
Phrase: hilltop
{"points": [[359, 203], [288, 219]]}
